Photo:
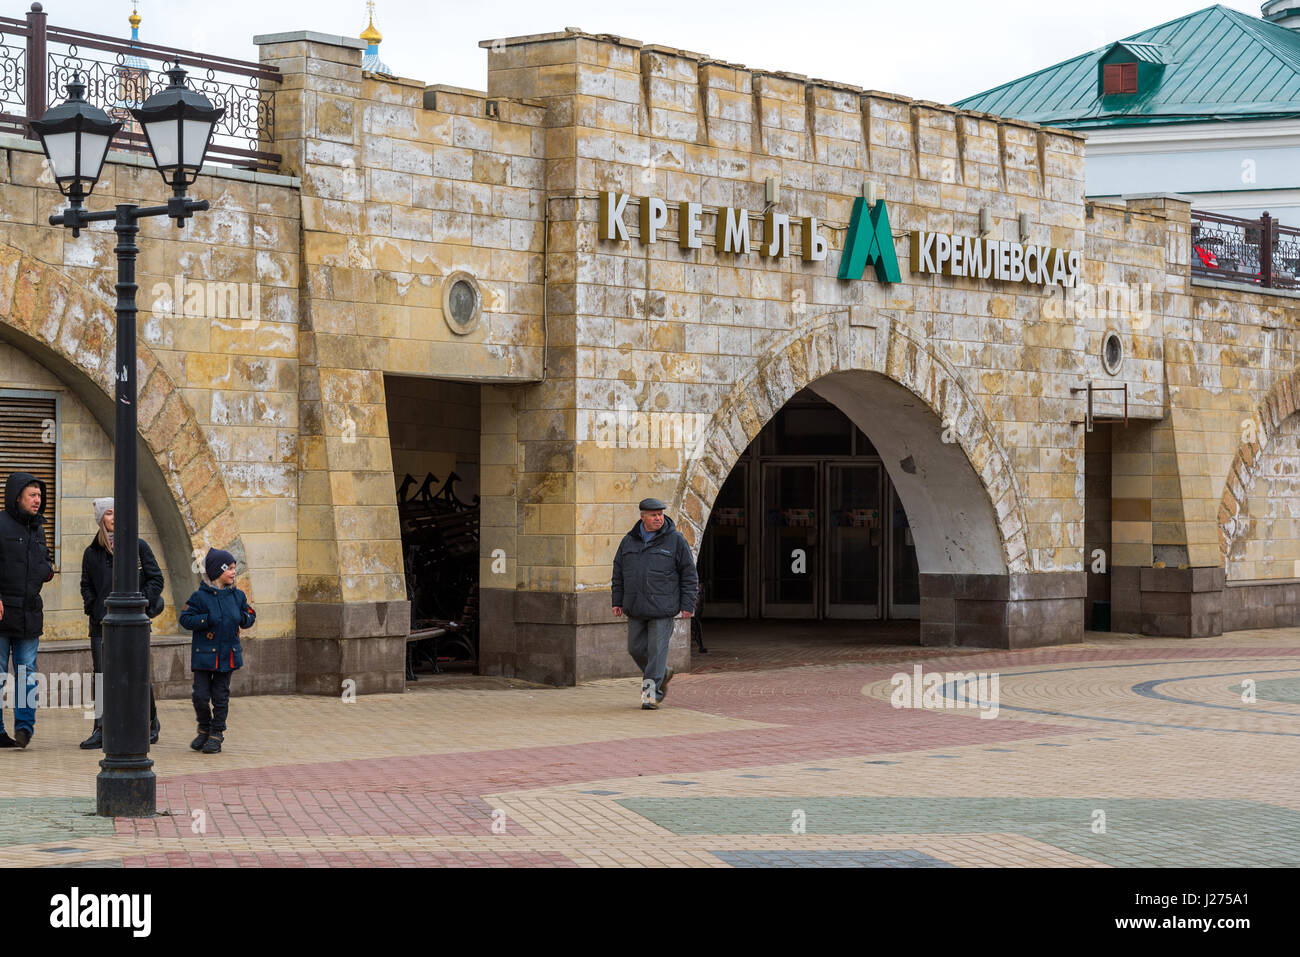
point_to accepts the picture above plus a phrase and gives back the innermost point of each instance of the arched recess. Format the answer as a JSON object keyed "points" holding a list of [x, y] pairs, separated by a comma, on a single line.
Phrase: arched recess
{"points": [[1279, 404], [961, 496], [62, 325]]}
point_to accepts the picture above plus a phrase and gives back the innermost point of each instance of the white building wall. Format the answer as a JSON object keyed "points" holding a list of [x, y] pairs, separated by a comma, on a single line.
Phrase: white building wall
{"points": [[1239, 169]]}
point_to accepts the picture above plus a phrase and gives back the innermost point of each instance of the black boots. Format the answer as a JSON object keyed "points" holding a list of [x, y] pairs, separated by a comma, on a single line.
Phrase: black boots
{"points": [[96, 739], [21, 737], [6, 741], [198, 743]]}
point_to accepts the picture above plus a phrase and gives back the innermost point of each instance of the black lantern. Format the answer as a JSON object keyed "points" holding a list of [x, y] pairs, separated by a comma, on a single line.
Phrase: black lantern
{"points": [[178, 122], [75, 136]]}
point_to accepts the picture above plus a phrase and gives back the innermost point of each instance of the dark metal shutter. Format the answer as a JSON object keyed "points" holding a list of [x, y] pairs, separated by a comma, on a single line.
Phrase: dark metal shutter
{"points": [[26, 425]]}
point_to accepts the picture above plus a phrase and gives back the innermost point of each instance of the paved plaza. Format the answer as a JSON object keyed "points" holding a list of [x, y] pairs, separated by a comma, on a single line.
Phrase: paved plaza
{"points": [[1117, 752]]}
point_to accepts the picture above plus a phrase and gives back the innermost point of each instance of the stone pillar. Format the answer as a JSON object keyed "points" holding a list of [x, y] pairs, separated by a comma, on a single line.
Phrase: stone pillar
{"points": [[534, 615], [1154, 588], [352, 612]]}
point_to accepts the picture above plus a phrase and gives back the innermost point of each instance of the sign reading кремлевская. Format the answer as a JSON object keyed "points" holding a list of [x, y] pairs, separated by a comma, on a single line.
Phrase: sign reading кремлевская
{"points": [[869, 242]]}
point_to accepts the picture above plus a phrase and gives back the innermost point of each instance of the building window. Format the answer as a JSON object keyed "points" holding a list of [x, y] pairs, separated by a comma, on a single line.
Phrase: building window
{"points": [[1119, 78], [29, 442], [462, 302]]}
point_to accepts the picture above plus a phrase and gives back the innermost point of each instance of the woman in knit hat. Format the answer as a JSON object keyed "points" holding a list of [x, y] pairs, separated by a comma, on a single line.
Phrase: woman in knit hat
{"points": [[97, 584], [215, 614]]}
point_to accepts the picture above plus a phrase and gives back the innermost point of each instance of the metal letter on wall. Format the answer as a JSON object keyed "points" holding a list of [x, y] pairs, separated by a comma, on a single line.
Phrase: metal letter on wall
{"points": [[611, 215], [654, 217], [688, 225]]}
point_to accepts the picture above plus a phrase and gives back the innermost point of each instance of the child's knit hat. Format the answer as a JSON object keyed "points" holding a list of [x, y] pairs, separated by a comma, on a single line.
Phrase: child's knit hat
{"points": [[216, 562]]}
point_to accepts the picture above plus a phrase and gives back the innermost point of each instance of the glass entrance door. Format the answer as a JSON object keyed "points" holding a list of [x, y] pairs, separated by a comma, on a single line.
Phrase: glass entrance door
{"points": [[854, 537], [790, 543]]}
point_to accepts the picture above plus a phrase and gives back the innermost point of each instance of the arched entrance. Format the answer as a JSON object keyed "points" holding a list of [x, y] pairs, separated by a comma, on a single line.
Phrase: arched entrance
{"points": [[857, 480], [809, 526]]}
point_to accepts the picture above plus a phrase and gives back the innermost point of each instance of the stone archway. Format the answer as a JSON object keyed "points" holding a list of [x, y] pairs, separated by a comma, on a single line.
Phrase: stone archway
{"points": [[951, 473], [67, 329], [1280, 403]]}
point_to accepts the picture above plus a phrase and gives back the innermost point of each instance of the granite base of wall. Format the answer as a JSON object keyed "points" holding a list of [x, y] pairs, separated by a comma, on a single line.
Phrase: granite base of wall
{"points": [[1002, 611], [1261, 605], [1167, 602], [361, 642], [269, 664], [560, 638]]}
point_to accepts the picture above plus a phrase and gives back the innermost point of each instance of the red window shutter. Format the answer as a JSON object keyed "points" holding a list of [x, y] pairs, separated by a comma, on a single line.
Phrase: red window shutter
{"points": [[1111, 79], [1119, 78]]}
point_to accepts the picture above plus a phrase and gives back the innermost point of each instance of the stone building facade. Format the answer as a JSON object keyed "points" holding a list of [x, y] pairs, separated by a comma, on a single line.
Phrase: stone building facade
{"points": [[281, 431]]}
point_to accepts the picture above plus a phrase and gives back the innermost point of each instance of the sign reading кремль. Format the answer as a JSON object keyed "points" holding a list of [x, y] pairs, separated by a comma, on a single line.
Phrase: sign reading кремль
{"points": [[870, 242]]}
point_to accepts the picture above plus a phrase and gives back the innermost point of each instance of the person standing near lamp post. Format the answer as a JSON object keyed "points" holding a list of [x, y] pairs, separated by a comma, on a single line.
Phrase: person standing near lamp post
{"points": [[97, 584], [26, 564]]}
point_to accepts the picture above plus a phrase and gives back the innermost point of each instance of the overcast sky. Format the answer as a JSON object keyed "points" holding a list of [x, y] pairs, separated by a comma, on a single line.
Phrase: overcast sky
{"points": [[927, 49]]}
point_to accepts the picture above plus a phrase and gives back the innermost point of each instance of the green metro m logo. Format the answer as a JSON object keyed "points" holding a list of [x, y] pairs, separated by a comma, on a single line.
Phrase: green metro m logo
{"points": [[873, 244]]}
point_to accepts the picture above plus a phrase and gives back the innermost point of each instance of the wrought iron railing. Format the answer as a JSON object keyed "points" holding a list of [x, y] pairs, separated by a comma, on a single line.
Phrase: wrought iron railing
{"points": [[37, 61], [1260, 252]]}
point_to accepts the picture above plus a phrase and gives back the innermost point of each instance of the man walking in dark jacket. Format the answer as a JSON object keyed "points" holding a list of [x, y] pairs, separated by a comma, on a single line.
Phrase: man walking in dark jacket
{"points": [[25, 565], [654, 579]]}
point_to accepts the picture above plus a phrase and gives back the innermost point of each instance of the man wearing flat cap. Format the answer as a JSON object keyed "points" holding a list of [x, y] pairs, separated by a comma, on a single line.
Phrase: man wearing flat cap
{"points": [[654, 579]]}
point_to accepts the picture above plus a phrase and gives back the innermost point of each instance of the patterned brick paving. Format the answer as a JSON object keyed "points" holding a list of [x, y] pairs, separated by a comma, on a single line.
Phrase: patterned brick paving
{"points": [[466, 774]]}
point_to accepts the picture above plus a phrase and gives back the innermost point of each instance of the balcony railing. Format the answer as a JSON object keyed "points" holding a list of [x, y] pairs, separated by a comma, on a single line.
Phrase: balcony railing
{"points": [[37, 61], [1260, 252]]}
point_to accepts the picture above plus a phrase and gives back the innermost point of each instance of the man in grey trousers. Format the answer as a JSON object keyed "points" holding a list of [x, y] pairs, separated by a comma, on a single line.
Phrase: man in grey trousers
{"points": [[654, 579]]}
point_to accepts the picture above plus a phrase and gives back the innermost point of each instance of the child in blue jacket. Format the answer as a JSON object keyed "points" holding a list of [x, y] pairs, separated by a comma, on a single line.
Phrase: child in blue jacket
{"points": [[214, 614]]}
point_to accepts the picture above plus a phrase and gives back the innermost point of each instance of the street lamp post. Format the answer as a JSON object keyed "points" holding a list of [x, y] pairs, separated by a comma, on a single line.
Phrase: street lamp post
{"points": [[178, 123]]}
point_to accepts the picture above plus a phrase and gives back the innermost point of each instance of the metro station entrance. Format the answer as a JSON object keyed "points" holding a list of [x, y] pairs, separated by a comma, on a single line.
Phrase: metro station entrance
{"points": [[808, 526]]}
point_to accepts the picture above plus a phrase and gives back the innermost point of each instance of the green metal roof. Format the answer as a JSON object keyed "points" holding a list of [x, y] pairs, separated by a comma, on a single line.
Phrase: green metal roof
{"points": [[1147, 52], [1218, 64]]}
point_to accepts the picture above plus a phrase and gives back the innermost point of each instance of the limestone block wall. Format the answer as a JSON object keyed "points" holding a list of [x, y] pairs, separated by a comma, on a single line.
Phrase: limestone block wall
{"points": [[724, 338], [270, 428], [1204, 498], [403, 186], [666, 331], [1268, 546], [218, 363], [1234, 369]]}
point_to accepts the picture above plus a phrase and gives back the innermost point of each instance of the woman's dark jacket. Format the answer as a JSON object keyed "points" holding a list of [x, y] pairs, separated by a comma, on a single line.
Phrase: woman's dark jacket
{"points": [[26, 562], [97, 581], [215, 615]]}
